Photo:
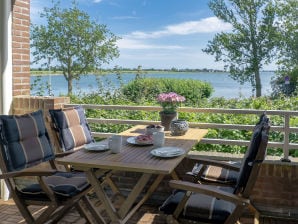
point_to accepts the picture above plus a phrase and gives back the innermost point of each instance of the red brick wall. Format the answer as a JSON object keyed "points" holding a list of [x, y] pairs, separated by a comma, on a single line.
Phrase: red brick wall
{"points": [[27, 104], [21, 47], [276, 188]]}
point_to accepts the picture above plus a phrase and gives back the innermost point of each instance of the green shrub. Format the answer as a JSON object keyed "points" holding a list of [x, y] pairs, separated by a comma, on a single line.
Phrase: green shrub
{"points": [[147, 89]]}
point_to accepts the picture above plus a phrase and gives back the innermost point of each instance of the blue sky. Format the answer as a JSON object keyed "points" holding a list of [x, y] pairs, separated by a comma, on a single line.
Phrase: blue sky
{"points": [[154, 33]]}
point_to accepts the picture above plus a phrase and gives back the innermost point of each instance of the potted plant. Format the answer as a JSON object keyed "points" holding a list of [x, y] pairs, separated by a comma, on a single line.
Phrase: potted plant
{"points": [[169, 103]]}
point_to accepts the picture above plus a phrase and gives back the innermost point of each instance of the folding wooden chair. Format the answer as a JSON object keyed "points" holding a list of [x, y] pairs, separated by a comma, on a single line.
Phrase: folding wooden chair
{"points": [[72, 132], [28, 168], [218, 204], [215, 172]]}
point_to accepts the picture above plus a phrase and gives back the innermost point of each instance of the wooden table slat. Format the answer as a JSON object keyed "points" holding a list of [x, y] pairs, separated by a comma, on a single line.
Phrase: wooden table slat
{"points": [[134, 157]]}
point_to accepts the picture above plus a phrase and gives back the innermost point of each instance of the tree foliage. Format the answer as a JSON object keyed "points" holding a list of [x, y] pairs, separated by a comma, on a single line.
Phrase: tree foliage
{"points": [[288, 30], [77, 44], [252, 41], [287, 48]]}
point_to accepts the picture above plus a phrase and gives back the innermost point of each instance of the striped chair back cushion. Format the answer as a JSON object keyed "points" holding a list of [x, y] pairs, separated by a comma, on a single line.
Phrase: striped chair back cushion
{"points": [[256, 147], [72, 127], [25, 140]]}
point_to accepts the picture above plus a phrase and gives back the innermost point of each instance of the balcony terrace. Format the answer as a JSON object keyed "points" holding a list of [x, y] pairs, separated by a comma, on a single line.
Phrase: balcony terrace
{"points": [[274, 195]]}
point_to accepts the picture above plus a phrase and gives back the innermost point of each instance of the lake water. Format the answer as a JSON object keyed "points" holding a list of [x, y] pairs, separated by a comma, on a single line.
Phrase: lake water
{"points": [[223, 85]]}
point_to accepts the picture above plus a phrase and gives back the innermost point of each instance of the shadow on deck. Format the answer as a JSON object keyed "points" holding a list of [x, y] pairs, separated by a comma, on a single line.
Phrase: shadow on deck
{"points": [[147, 214]]}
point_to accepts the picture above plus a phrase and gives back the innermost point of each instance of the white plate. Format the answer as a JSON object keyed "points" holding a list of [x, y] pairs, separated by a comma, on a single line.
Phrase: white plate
{"points": [[132, 140], [96, 146], [167, 152]]}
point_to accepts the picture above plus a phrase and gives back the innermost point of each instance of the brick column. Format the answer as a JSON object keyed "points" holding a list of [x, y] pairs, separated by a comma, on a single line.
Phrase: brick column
{"points": [[21, 47], [27, 104]]}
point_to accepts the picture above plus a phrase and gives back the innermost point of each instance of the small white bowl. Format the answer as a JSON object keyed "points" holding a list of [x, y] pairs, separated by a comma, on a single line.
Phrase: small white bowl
{"points": [[150, 129]]}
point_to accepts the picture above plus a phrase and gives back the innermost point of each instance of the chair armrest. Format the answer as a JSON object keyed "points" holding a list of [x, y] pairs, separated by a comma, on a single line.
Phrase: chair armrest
{"points": [[28, 172], [62, 154], [210, 190], [218, 163]]}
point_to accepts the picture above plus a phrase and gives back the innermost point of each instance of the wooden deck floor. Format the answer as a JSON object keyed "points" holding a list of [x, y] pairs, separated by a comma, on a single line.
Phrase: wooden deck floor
{"points": [[9, 214], [147, 214]]}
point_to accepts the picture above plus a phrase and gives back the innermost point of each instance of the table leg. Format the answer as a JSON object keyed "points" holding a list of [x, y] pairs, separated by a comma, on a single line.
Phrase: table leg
{"points": [[151, 189], [126, 210], [138, 188], [174, 175], [102, 196]]}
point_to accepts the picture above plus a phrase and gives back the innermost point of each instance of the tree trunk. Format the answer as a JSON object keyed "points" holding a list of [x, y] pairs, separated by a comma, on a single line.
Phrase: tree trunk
{"points": [[69, 83], [258, 83], [255, 55]]}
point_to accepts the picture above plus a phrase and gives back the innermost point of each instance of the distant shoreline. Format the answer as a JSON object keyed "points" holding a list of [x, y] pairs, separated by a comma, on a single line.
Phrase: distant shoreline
{"points": [[143, 72], [223, 84]]}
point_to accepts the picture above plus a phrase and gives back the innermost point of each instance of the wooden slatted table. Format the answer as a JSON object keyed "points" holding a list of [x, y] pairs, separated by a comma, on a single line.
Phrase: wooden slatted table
{"points": [[132, 158]]}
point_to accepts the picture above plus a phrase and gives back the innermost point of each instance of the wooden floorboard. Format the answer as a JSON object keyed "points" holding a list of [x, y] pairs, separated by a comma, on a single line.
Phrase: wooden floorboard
{"points": [[147, 214]]}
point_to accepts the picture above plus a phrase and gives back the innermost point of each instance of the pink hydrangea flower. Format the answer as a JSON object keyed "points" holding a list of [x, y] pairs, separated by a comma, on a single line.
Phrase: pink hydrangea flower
{"points": [[170, 101]]}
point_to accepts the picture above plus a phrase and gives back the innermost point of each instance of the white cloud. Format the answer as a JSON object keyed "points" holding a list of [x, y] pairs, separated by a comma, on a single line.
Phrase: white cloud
{"points": [[97, 1], [206, 25], [151, 49], [139, 40]]}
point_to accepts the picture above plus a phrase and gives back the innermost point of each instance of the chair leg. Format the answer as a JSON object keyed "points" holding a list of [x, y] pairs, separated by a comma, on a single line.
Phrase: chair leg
{"points": [[83, 213], [48, 213], [94, 212], [235, 215], [256, 213], [181, 205], [60, 213], [23, 209], [257, 218], [171, 220]]}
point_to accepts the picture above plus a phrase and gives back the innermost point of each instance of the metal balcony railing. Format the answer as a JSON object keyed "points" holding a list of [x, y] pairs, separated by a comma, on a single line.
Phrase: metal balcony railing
{"points": [[285, 129]]}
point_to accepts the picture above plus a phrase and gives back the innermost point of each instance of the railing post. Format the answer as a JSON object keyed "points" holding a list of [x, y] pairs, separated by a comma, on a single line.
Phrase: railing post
{"points": [[286, 138]]}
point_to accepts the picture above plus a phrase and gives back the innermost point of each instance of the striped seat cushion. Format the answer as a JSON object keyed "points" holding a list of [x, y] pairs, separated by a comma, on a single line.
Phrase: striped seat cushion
{"points": [[220, 175], [72, 127], [200, 207], [25, 140], [64, 184]]}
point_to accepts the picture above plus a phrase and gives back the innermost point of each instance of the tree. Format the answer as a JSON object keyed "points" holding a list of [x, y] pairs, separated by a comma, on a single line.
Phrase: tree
{"points": [[140, 72], [77, 44], [287, 49], [288, 30], [252, 41]]}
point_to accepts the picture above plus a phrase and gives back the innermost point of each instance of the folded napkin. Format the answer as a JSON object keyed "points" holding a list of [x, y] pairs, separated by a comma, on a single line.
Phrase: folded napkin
{"points": [[168, 152], [96, 146]]}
